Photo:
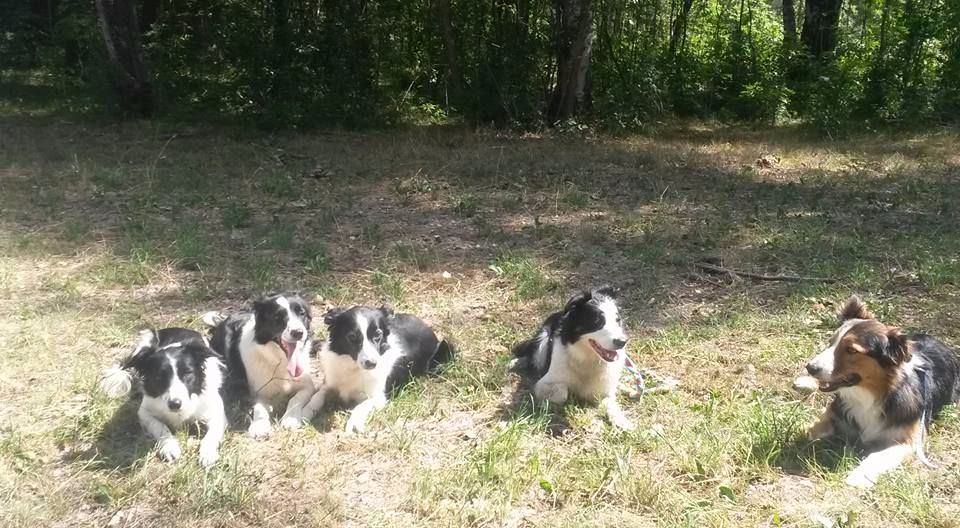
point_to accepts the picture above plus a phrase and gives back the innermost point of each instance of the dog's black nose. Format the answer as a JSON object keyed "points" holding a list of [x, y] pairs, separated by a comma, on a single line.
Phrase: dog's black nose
{"points": [[369, 364], [296, 334], [174, 404], [619, 343], [812, 369]]}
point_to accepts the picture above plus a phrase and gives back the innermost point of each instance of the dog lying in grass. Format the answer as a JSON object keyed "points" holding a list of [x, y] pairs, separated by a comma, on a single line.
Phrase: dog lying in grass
{"points": [[181, 379], [888, 387], [578, 352]]}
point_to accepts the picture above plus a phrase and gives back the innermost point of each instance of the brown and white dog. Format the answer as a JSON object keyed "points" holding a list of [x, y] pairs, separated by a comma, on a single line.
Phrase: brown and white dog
{"points": [[888, 388]]}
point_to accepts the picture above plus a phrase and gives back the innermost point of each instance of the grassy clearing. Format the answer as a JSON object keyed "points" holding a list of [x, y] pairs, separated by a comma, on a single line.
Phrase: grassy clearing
{"points": [[108, 229]]}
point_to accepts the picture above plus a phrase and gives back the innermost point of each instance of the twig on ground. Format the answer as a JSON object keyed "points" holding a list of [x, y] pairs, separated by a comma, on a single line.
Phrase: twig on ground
{"points": [[759, 276]]}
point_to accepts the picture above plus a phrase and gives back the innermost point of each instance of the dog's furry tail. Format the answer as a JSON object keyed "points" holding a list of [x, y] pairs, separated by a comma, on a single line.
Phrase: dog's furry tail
{"points": [[524, 352], [524, 349], [444, 354], [213, 318], [116, 381]]}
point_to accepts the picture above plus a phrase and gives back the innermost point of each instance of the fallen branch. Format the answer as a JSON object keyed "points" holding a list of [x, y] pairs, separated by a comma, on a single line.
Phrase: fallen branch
{"points": [[758, 276]]}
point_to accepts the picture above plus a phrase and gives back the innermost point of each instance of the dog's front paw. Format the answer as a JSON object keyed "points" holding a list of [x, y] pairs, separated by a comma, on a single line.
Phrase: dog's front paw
{"points": [[169, 449], [259, 429], [552, 392], [622, 422], [209, 454], [356, 425], [859, 479], [291, 422]]}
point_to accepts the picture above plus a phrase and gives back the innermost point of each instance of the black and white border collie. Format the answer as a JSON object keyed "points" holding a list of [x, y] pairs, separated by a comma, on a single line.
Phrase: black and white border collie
{"points": [[268, 348], [368, 353], [888, 388], [579, 352], [180, 378]]}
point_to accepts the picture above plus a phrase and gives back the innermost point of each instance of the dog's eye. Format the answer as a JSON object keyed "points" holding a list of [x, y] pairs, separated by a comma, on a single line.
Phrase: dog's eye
{"points": [[354, 337]]}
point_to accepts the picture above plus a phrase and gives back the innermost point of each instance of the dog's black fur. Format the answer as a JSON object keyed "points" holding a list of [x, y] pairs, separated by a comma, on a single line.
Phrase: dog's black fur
{"points": [[423, 351], [271, 320]]}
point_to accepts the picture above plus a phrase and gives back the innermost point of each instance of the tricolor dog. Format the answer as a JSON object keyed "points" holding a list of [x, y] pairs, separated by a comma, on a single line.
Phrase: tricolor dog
{"points": [[888, 387]]}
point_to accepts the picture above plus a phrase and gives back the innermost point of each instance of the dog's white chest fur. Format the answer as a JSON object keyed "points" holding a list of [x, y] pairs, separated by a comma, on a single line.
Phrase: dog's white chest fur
{"points": [[353, 383], [266, 367], [862, 406], [590, 377]]}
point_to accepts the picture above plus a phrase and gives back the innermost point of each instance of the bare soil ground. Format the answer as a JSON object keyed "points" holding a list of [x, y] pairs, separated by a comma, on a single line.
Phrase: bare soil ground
{"points": [[108, 228]]}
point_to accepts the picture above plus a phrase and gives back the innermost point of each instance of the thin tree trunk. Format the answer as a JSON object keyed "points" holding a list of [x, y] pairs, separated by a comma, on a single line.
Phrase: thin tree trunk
{"points": [[679, 28], [445, 20], [574, 23], [281, 49], [789, 24], [121, 34]]}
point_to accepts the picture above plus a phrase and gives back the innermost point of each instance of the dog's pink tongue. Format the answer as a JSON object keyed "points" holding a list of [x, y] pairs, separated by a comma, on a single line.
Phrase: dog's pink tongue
{"points": [[294, 368]]}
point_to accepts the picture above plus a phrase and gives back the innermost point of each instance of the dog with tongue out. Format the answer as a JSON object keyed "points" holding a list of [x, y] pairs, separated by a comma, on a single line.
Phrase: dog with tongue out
{"points": [[267, 349], [578, 352]]}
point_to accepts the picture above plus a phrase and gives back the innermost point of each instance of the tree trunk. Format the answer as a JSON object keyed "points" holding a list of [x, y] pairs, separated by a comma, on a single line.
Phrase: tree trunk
{"points": [[149, 13], [281, 50], [679, 28], [454, 80], [574, 27], [789, 24], [121, 33], [820, 20]]}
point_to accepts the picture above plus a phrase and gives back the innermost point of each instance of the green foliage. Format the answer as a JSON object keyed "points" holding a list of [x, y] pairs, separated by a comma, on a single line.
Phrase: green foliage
{"points": [[298, 63]]}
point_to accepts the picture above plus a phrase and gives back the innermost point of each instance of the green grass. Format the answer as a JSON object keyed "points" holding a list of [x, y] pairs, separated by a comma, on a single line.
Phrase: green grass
{"points": [[237, 215], [90, 253], [528, 278], [190, 247], [389, 286]]}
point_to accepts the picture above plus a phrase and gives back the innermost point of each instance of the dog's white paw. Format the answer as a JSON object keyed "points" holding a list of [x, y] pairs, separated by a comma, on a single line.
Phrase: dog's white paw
{"points": [[356, 425], [209, 454], [291, 422], [859, 479], [622, 422], [259, 429], [552, 392], [169, 449]]}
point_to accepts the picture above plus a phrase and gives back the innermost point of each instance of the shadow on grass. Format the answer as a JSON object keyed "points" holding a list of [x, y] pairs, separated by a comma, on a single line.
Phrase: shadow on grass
{"points": [[803, 456], [522, 405], [120, 445]]}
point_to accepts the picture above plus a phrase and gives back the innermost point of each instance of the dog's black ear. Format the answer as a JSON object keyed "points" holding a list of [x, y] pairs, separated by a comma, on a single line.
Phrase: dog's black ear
{"points": [[261, 303], [147, 342], [898, 347], [331, 316], [890, 347], [578, 299], [607, 291], [386, 310], [854, 308]]}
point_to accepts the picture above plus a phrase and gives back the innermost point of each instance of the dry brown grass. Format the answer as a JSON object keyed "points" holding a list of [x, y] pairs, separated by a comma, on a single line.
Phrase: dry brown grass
{"points": [[106, 229]]}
